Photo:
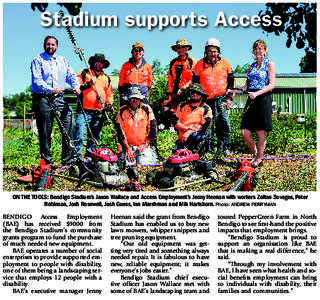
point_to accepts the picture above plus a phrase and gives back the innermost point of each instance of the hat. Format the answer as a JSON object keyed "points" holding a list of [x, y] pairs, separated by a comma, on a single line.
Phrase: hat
{"points": [[213, 42], [134, 92], [181, 42], [198, 88], [98, 57], [137, 45]]}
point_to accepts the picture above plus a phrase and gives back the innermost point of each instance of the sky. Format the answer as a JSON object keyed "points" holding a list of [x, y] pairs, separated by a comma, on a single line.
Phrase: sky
{"points": [[23, 36]]}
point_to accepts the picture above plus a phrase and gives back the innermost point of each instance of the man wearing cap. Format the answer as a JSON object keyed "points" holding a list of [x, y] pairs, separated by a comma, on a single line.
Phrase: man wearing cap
{"points": [[136, 72], [137, 129], [96, 95], [192, 118], [212, 72], [180, 75], [50, 73]]}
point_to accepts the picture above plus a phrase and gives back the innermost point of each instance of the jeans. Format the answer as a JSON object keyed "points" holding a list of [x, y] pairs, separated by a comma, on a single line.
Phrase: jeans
{"points": [[191, 143], [45, 117], [95, 121], [222, 122], [146, 157]]}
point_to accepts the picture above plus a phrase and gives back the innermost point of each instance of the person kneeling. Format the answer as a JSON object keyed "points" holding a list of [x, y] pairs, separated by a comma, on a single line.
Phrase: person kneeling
{"points": [[137, 130], [192, 118]]}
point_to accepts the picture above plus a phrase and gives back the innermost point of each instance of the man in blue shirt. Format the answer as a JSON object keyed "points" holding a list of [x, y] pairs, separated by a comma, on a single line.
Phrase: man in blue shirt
{"points": [[50, 73]]}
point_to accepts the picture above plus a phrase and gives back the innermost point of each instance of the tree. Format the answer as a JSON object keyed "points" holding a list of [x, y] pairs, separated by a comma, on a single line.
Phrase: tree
{"points": [[73, 8], [308, 63], [299, 23], [158, 92], [10, 102], [24, 103], [242, 69], [17, 102], [115, 72], [156, 68]]}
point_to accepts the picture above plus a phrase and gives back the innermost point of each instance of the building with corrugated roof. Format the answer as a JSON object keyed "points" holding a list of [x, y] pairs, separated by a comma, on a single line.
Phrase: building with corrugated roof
{"points": [[293, 93]]}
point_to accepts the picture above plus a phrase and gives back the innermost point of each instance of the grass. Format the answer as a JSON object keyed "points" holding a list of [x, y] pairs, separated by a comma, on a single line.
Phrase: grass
{"points": [[280, 171], [292, 174]]}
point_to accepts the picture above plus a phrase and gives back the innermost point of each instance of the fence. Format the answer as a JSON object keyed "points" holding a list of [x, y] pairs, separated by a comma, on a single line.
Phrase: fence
{"points": [[29, 124]]}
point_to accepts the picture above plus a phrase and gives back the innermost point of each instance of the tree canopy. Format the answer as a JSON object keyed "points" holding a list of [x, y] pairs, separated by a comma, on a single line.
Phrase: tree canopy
{"points": [[72, 8], [242, 69], [299, 23]]}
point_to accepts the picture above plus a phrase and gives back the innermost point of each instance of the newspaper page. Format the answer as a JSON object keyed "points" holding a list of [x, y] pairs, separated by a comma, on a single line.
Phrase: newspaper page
{"points": [[156, 230]]}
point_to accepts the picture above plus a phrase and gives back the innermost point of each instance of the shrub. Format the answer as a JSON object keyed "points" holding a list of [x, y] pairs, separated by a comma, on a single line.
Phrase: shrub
{"points": [[288, 135], [166, 142], [19, 148], [158, 94]]}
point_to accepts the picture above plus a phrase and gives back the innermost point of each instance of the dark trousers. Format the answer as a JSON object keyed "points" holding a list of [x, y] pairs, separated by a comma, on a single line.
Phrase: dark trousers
{"points": [[191, 143], [45, 117]]}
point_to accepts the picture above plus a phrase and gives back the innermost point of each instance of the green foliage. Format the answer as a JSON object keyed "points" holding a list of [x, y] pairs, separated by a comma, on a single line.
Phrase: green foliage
{"points": [[308, 62], [157, 70], [288, 135], [6, 112], [299, 23], [115, 72], [157, 95], [22, 150], [24, 105], [166, 141], [242, 69], [18, 102], [73, 8], [107, 138], [19, 148], [10, 102]]}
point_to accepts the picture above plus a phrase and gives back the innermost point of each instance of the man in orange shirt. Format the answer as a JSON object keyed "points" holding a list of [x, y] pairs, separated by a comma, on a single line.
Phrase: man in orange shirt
{"points": [[89, 108], [137, 129], [135, 73], [180, 75], [192, 118], [212, 72]]}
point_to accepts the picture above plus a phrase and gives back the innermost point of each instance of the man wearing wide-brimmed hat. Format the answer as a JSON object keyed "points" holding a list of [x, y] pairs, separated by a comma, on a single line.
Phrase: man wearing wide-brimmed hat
{"points": [[180, 76], [89, 108], [192, 118], [136, 72]]}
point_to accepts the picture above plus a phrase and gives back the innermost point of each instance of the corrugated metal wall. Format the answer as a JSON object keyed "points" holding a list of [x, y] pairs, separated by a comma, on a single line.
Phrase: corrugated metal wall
{"points": [[293, 100], [296, 100]]}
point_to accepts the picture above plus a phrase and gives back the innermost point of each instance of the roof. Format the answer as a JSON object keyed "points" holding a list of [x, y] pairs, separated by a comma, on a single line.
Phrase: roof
{"points": [[286, 80]]}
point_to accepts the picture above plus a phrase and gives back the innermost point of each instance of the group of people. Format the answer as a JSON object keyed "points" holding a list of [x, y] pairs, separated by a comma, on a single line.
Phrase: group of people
{"points": [[195, 100]]}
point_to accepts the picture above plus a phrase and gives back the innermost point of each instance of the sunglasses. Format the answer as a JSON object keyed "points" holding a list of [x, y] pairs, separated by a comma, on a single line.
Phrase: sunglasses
{"points": [[138, 50], [195, 92], [180, 47]]}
